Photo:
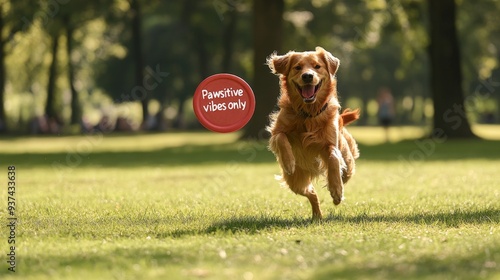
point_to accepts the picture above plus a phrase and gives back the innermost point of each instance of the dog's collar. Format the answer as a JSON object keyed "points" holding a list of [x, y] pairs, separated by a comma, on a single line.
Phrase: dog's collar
{"points": [[307, 115]]}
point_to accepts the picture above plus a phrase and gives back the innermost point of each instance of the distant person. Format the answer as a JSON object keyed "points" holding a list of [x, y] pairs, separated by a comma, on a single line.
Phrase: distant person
{"points": [[123, 124], [55, 125], [39, 125], [85, 126], [385, 110], [105, 125]]}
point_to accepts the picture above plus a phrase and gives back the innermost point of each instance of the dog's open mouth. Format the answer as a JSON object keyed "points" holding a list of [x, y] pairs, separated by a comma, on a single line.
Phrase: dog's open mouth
{"points": [[308, 92]]}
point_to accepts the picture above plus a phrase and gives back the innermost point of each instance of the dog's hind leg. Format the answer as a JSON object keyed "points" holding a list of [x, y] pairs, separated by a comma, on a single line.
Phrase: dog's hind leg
{"points": [[314, 200], [350, 153], [349, 161], [336, 166], [300, 183]]}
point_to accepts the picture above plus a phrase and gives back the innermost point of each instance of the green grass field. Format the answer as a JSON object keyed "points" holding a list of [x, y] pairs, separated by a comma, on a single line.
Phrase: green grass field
{"points": [[205, 206]]}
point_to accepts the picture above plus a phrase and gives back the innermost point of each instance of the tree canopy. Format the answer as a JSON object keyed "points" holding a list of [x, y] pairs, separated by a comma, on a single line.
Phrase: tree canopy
{"points": [[79, 61]]}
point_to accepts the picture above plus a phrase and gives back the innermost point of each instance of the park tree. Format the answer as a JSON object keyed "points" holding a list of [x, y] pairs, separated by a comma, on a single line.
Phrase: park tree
{"points": [[60, 20], [56, 17], [3, 41], [182, 40], [51, 110], [480, 26], [136, 24], [450, 114], [267, 34], [96, 46], [14, 18], [74, 15], [3, 125]]}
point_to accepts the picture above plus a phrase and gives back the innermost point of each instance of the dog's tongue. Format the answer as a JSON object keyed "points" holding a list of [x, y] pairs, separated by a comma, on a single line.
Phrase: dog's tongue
{"points": [[308, 91]]}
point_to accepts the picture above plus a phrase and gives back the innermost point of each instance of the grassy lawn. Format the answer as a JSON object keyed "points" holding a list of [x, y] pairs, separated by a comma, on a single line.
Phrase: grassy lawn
{"points": [[205, 206]]}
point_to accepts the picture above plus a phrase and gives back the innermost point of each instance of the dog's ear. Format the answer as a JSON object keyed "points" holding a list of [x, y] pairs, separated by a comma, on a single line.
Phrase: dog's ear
{"points": [[331, 61], [278, 63]]}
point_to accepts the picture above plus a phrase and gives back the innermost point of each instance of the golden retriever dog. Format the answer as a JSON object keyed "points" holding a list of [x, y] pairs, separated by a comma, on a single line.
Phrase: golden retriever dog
{"points": [[308, 133]]}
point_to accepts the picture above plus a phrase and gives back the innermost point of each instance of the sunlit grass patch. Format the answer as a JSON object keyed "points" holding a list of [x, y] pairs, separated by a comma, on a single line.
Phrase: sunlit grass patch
{"points": [[205, 206]]}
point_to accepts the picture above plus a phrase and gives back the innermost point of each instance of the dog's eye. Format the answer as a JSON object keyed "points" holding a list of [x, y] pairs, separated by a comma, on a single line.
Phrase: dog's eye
{"points": [[317, 66], [298, 67]]}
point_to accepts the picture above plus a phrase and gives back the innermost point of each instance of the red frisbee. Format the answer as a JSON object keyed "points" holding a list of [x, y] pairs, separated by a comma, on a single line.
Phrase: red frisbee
{"points": [[223, 103]]}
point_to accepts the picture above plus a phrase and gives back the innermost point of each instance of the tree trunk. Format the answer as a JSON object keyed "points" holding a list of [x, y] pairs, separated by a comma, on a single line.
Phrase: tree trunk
{"points": [[450, 118], [76, 113], [202, 53], [191, 35], [50, 106], [3, 124], [179, 118], [135, 9], [228, 41], [267, 36]]}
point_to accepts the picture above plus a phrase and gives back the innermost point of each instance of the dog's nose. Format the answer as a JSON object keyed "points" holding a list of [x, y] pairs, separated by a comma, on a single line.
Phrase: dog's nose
{"points": [[307, 77]]}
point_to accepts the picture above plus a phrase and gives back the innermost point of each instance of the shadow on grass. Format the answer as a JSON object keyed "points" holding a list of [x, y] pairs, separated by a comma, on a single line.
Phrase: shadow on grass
{"points": [[68, 266], [173, 156], [478, 265], [255, 224], [251, 152], [451, 218], [430, 150], [484, 263], [252, 225], [246, 225]]}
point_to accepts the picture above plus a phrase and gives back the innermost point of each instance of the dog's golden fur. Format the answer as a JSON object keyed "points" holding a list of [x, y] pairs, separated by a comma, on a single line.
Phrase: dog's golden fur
{"points": [[308, 134]]}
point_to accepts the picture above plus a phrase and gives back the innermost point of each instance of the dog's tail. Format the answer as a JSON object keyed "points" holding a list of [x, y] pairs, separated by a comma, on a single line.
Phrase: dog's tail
{"points": [[348, 116]]}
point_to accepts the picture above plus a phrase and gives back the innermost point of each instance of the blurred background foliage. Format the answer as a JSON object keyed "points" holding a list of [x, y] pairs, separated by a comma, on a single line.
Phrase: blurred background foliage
{"points": [[75, 62]]}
